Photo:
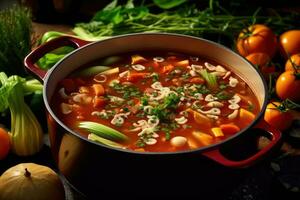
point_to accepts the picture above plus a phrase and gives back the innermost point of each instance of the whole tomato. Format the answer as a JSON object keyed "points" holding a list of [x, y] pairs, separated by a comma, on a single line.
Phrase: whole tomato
{"points": [[257, 38], [263, 62], [293, 63], [278, 116], [288, 86], [289, 43], [4, 143]]}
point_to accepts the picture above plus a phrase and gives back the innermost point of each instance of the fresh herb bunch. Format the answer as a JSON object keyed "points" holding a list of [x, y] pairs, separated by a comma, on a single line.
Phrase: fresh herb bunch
{"points": [[15, 40], [186, 19]]}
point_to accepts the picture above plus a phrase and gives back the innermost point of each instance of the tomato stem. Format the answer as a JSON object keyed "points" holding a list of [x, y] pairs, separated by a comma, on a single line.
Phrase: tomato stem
{"points": [[27, 173]]}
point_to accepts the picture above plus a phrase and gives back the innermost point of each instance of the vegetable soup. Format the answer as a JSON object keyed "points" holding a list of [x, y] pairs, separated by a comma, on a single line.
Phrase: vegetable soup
{"points": [[157, 102]]}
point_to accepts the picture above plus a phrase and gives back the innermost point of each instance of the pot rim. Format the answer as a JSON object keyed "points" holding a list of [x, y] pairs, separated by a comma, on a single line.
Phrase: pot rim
{"points": [[202, 149]]}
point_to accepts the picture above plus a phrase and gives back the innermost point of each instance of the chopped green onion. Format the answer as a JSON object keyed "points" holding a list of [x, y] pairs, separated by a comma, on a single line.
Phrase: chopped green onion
{"points": [[211, 79], [101, 140], [91, 71], [103, 131]]}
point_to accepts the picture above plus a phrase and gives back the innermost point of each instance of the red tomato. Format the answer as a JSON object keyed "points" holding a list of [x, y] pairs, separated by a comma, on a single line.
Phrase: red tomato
{"points": [[288, 86], [293, 63], [289, 43], [257, 38], [263, 62], [277, 116], [4, 143]]}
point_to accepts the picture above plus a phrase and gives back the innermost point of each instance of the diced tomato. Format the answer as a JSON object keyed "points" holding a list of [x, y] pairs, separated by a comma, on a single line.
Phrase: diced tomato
{"points": [[229, 129], [197, 80], [167, 69], [99, 102], [136, 76], [68, 84]]}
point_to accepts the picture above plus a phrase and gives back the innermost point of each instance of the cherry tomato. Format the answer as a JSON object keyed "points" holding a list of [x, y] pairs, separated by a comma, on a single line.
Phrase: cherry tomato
{"points": [[257, 38], [263, 62], [293, 63], [288, 86], [4, 143], [289, 43], [278, 116]]}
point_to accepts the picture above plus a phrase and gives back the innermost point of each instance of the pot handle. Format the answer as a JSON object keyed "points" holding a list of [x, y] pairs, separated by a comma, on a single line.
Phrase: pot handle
{"points": [[217, 156], [40, 51]]}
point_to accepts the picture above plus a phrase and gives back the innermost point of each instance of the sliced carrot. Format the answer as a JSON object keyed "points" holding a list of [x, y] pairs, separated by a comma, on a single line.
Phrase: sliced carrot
{"points": [[229, 129], [136, 76], [99, 102], [68, 84], [135, 59], [192, 143], [197, 80], [140, 150], [203, 138], [217, 132], [246, 115], [167, 69], [182, 63], [98, 89]]}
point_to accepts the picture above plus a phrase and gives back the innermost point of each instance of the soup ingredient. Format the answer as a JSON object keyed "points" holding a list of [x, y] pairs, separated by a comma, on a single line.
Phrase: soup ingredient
{"points": [[4, 143], [210, 78], [246, 115], [96, 138], [178, 141], [15, 40], [263, 62], [229, 128], [26, 132], [217, 132], [103, 131], [203, 138], [288, 86], [293, 63], [257, 38], [290, 43], [278, 115], [29, 181]]}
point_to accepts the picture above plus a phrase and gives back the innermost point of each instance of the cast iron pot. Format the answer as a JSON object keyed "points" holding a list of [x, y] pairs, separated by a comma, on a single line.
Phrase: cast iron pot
{"points": [[95, 169]]}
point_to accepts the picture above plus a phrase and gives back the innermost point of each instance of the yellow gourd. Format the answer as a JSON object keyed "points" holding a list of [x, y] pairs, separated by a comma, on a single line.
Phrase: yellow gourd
{"points": [[29, 181]]}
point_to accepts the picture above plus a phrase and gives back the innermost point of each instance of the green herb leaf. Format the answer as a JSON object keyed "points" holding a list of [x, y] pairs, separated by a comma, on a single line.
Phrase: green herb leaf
{"points": [[167, 4]]}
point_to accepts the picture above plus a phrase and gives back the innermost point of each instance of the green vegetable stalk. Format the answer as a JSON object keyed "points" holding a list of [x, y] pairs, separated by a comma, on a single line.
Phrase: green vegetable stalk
{"points": [[26, 132]]}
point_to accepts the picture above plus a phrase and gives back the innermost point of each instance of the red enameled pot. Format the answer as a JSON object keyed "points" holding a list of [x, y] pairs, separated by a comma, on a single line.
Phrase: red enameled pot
{"points": [[93, 168]]}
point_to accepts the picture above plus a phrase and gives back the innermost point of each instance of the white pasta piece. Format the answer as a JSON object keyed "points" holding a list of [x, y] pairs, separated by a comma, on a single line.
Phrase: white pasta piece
{"points": [[138, 67], [219, 68], [151, 141], [66, 108], [62, 93], [157, 85], [158, 59], [227, 74], [123, 74], [233, 115], [193, 58], [116, 99], [213, 111], [210, 98], [100, 78], [233, 81], [148, 109], [210, 66], [82, 98], [215, 104], [119, 118], [181, 120], [235, 99], [234, 106]]}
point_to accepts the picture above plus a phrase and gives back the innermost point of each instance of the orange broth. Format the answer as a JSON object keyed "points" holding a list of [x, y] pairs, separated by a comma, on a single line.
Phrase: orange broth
{"points": [[167, 87]]}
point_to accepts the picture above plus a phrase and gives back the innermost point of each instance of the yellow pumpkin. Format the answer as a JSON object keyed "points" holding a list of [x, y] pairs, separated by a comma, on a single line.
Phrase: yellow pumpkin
{"points": [[29, 181]]}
